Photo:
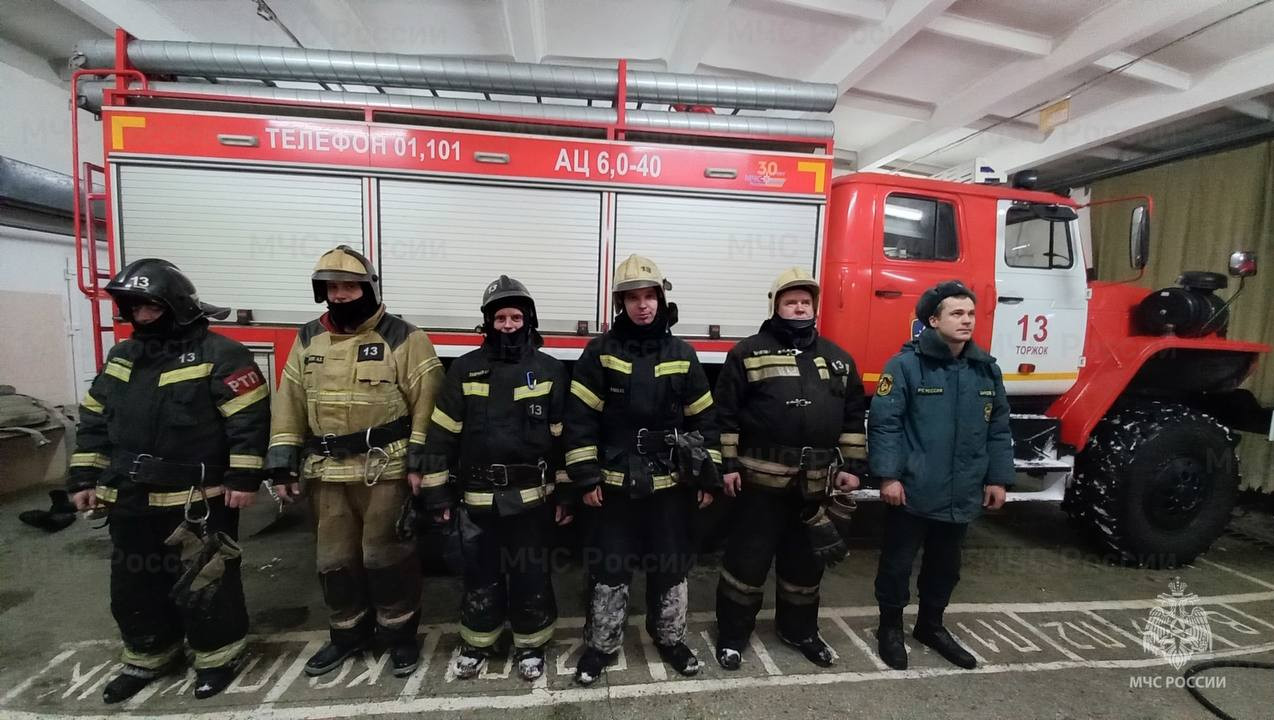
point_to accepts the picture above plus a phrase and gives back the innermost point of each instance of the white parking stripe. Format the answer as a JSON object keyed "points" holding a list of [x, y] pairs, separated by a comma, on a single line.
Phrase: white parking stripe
{"points": [[1236, 573], [858, 643]]}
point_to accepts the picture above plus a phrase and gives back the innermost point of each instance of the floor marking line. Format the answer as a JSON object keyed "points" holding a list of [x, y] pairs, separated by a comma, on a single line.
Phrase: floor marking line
{"points": [[293, 672], [417, 679], [860, 644], [1044, 636], [1249, 616], [22, 686], [654, 663], [1236, 573], [763, 654], [365, 708], [1136, 641]]}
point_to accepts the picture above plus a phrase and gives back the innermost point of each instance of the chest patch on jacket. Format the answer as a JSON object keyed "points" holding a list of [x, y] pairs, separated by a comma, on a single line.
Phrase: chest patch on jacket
{"points": [[371, 351], [929, 390], [313, 359], [987, 393], [244, 381]]}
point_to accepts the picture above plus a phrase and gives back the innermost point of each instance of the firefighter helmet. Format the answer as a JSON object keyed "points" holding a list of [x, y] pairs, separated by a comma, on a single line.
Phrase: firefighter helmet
{"points": [[151, 280], [634, 273], [793, 277], [344, 264], [505, 291]]}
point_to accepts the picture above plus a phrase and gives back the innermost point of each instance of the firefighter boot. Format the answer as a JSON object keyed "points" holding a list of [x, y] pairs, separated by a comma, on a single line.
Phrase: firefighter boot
{"points": [[929, 631], [591, 664], [889, 638], [729, 658], [211, 681], [131, 680], [814, 648], [680, 657], [329, 657], [530, 662]]}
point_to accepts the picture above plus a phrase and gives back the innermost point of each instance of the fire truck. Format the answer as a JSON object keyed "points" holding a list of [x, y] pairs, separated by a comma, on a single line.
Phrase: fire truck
{"points": [[231, 162]]}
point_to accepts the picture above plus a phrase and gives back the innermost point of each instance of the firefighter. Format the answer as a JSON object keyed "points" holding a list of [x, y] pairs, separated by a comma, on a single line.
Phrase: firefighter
{"points": [[497, 428], [642, 449], [172, 439], [349, 419], [940, 443], [791, 407]]}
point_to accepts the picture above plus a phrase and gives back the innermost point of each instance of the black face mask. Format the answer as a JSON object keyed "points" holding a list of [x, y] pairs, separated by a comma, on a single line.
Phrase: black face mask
{"points": [[159, 328], [799, 333], [349, 315]]}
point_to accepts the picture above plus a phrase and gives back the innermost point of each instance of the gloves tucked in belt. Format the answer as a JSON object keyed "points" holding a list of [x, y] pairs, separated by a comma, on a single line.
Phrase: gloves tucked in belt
{"points": [[828, 544], [204, 557]]}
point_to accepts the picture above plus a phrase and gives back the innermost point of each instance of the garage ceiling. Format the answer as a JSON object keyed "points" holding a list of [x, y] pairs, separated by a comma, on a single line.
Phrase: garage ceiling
{"points": [[928, 85]]}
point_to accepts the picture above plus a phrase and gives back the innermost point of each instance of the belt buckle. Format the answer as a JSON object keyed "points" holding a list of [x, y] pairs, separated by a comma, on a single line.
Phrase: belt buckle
{"points": [[807, 458], [327, 449], [137, 464], [492, 475], [641, 440]]}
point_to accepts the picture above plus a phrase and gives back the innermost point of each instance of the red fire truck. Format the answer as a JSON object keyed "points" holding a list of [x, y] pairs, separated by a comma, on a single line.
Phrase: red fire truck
{"points": [[213, 161]]}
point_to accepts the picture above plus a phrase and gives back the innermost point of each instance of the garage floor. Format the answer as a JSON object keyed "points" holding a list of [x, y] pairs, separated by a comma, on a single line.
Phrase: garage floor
{"points": [[1057, 630]]}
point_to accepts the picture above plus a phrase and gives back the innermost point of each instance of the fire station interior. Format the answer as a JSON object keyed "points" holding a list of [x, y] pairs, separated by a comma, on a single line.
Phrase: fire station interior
{"points": [[1098, 173]]}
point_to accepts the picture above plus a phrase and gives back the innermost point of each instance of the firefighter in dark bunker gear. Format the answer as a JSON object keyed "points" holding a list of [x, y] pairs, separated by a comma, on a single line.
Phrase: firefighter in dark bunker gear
{"points": [[172, 438], [641, 440], [349, 418], [495, 441], [791, 408], [942, 447]]}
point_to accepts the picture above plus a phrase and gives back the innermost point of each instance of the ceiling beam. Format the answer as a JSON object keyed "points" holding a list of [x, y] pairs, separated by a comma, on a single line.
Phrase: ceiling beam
{"points": [[869, 10], [524, 24], [141, 19], [1108, 30], [1253, 108], [884, 105], [863, 51], [1113, 152], [1147, 70], [1236, 81], [1015, 129], [688, 43]]}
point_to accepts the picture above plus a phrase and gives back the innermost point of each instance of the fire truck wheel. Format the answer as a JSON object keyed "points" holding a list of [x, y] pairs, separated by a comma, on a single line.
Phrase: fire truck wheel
{"points": [[1156, 483]]}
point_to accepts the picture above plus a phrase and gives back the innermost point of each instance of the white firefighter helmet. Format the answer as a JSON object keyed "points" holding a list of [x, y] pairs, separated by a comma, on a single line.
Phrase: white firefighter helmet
{"points": [[634, 273], [793, 277]]}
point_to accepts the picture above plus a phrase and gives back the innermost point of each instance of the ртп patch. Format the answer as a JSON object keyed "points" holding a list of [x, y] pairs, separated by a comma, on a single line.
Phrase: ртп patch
{"points": [[244, 381]]}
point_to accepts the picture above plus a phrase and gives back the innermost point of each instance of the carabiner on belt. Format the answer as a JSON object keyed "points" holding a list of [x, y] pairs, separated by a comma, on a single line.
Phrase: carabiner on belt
{"points": [[201, 521], [375, 458]]}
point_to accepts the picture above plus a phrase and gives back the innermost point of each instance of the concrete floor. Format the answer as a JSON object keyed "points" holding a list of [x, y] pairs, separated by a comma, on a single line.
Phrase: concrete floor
{"points": [[1057, 629]]}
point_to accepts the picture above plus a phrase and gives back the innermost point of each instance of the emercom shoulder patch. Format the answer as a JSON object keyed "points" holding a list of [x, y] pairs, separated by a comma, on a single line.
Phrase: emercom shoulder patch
{"points": [[885, 385]]}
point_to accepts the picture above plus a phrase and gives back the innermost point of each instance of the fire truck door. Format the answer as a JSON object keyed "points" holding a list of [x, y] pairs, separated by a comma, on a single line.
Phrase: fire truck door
{"points": [[1041, 298]]}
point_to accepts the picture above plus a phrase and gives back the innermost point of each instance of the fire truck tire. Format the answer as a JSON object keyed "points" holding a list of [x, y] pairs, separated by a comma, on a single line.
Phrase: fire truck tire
{"points": [[1157, 483]]}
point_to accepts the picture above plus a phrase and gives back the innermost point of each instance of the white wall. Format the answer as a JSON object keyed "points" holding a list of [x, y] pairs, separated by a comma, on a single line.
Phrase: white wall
{"points": [[48, 351]]}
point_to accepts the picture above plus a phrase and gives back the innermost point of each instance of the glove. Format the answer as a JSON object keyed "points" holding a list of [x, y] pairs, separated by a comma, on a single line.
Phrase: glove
{"points": [[694, 463], [408, 519], [828, 545], [204, 558]]}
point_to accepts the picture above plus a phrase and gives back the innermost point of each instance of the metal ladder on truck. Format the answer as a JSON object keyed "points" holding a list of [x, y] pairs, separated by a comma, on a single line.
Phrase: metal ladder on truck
{"points": [[90, 277]]}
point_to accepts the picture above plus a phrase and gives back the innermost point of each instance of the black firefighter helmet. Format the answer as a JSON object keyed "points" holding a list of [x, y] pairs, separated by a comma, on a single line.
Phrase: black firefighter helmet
{"points": [[505, 291], [152, 280]]}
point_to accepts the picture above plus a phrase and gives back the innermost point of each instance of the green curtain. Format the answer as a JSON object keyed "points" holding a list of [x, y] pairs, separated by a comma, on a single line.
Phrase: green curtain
{"points": [[1205, 208]]}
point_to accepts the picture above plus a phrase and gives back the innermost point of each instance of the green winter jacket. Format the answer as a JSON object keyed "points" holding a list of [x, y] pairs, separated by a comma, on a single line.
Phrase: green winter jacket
{"points": [[940, 424]]}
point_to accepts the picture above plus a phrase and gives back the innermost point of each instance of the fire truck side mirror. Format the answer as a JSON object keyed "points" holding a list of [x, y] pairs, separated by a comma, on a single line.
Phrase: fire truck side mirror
{"points": [[1243, 264], [1139, 238]]}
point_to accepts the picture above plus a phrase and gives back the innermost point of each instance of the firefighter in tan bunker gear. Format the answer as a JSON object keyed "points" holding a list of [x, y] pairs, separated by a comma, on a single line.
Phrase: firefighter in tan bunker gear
{"points": [[349, 419]]}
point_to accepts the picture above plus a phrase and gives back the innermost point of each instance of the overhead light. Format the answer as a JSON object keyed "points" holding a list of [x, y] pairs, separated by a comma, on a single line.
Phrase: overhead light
{"points": [[904, 213]]}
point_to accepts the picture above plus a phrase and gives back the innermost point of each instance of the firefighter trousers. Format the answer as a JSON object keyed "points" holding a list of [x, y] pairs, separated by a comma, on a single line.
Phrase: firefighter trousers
{"points": [[143, 572], [370, 578], [510, 578], [766, 527], [651, 534], [905, 534]]}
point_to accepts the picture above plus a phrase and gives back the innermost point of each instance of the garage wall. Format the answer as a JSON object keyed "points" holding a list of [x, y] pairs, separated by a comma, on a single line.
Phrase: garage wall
{"points": [[1206, 208]]}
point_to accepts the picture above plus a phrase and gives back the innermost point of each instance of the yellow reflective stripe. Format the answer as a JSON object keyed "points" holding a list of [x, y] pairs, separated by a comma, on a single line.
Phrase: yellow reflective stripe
{"points": [[194, 372], [230, 407], [434, 479], [581, 454], [715, 455], [248, 462], [535, 639], [739, 584], [761, 361], [88, 459], [730, 451], [672, 367], [581, 391], [220, 656], [150, 661], [117, 369], [106, 494], [480, 389], [823, 374], [614, 363], [852, 439], [698, 406], [853, 452], [820, 362], [91, 404], [529, 495], [729, 438], [417, 437], [786, 586], [175, 499], [771, 372], [612, 477], [419, 371], [446, 422], [122, 361], [286, 439], [540, 390], [555, 429], [480, 639], [290, 374]]}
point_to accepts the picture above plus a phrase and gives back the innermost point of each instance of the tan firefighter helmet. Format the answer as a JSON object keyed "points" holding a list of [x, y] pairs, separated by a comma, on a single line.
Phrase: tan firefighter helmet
{"points": [[344, 264], [793, 277], [634, 273]]}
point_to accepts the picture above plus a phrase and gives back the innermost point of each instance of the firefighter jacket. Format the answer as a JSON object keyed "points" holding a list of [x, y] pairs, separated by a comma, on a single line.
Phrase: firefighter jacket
{"points": [[773, 401], [940, 424], [381, 377], [631, 389], [497, 430], [163, 413]]}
